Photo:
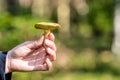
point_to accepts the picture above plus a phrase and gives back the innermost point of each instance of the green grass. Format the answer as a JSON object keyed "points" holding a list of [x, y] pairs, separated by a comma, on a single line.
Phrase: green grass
{"points": [[65, 76]]}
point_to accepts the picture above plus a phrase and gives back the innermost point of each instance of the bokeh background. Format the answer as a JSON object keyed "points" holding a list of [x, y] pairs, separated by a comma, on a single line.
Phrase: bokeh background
{"points": [[84, 42]]}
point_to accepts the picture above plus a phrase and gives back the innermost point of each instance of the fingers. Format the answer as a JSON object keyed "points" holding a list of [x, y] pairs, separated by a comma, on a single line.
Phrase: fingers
{"points": [[51, 49], [46, 66], [49, 63], [40, 41], [52, 54], [50, 44], [37, 43]]}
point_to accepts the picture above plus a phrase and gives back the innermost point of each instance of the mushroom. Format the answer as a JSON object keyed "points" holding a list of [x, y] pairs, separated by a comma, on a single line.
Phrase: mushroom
{"points": [[47, 27]]}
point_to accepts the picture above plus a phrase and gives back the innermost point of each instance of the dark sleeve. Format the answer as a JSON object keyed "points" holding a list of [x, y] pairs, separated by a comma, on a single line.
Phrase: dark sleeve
{"points": [[3, 76]]}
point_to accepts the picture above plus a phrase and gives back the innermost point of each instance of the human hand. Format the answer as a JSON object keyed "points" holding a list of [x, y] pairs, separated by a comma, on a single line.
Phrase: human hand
{"points": [[32, 55]]}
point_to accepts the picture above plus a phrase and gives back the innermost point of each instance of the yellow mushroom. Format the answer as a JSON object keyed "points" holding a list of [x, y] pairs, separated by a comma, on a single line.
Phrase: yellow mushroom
{"points": [[47, 27]]}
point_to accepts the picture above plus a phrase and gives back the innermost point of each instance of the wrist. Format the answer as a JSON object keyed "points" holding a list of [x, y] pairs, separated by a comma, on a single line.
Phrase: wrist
{"points": [[7, 65]]}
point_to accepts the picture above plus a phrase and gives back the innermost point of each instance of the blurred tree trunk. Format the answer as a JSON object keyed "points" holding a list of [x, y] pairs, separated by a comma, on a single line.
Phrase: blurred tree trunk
{"points": [[25, 3], [12, 6], [81, 6], [42, 8], [18, 7], [63, 13], [2, 6], [116, 43]]}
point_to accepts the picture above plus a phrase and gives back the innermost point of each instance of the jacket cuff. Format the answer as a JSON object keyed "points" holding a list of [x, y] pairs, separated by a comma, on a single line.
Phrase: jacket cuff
{"points": [[2, 69]]}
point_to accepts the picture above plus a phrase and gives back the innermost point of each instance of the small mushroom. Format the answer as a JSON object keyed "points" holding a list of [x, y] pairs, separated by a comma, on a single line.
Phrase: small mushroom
{"points": [[47, 27]]}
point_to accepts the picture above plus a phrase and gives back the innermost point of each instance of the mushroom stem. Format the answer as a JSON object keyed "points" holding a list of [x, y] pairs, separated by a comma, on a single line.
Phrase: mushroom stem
{"points": [[46, 33]]}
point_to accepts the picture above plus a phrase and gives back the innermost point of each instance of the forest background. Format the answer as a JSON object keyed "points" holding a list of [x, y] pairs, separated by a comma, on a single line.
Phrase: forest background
{"points": [[84, 42]]}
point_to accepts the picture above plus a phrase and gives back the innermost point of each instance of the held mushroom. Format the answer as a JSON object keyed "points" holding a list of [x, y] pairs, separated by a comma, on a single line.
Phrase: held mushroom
{"points": [[47, 27]]}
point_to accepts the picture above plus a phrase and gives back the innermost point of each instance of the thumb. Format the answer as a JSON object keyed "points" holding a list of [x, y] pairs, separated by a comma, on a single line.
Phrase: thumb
{"points": [[37, 43]]}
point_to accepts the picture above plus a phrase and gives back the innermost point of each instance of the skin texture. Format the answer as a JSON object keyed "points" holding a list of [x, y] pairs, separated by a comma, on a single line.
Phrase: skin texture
{"points": [[32, 55]]}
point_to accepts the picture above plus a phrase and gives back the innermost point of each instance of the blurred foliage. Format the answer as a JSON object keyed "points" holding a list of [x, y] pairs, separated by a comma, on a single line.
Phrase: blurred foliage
{"points": [[85, 55], [14, 30]]}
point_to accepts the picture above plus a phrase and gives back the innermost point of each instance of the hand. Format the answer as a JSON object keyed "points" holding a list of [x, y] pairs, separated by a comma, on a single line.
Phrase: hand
{"points": [[32, 55]]}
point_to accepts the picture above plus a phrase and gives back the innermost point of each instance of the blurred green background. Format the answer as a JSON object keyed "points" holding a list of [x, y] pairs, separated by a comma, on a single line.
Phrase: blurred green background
{"points": [[83, 42]]}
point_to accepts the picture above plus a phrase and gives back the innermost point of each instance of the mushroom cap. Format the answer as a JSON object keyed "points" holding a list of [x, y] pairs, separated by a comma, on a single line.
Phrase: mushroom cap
{"points": [[47, 26]]}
